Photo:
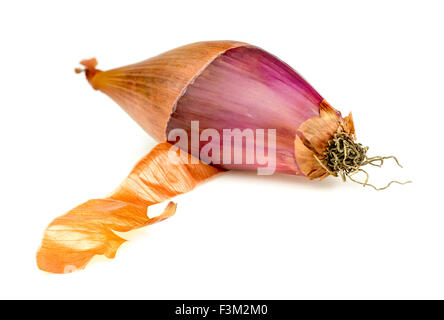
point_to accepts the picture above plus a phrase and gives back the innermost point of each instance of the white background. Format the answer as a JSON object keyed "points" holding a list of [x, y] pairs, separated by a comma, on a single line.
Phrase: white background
{"points": [[240, 235]]}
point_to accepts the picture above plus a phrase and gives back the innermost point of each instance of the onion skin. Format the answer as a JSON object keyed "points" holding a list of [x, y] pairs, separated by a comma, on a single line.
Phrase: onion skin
{"points": [[73, 239], [148, 90]]}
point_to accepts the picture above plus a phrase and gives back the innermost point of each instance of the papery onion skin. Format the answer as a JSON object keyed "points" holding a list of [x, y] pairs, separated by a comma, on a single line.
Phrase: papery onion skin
{"points": [[148, 90], [72, 240]]}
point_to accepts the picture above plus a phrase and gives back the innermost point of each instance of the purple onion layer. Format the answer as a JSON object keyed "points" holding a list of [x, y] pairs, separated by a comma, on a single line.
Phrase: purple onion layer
{"points": [[247, 88]]}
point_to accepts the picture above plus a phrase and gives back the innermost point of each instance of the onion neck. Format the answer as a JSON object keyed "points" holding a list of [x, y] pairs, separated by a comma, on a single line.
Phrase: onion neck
{"points": [[90, 71]]}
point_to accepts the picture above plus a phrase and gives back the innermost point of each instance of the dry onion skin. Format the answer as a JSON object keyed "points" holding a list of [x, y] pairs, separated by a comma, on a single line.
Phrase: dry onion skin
{"points": [[72, 240], [222, 85]]}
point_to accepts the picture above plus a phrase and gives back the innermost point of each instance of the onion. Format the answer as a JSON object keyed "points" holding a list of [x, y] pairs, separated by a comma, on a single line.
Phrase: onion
{"points": [[226, 85], [208, 89]]}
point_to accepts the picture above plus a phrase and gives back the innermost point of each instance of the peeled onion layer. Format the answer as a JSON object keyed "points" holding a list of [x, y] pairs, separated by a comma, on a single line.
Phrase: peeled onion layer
{"points": [[72, 240]]}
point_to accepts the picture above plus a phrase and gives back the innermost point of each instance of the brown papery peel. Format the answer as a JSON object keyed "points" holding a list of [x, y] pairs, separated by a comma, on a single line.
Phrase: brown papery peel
{"points": [[73, 239], [148, 90]]}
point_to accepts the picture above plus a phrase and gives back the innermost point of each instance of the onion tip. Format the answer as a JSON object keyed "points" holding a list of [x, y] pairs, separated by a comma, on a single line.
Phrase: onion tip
{"points": [[89, 70]]}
